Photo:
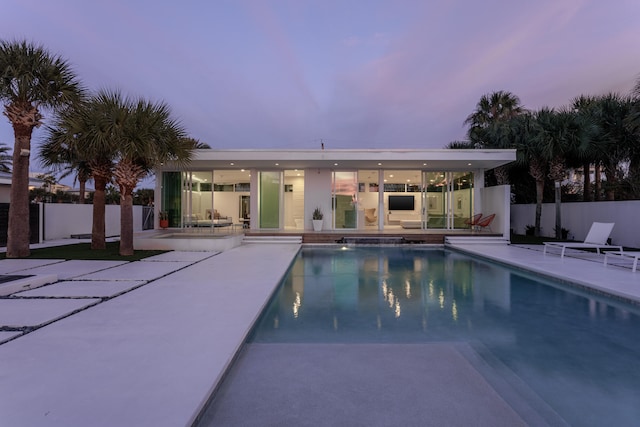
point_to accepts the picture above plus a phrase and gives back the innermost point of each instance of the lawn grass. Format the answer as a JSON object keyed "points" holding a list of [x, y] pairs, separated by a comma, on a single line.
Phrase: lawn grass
{"points": [[83, 251]]}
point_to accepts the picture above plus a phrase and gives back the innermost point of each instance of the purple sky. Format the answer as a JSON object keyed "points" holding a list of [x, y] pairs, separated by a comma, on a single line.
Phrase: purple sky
{"points": [[356, 74]]}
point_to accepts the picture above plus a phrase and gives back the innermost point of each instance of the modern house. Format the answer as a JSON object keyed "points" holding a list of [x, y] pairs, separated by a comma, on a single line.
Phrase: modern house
{"points": [[371, 190]]}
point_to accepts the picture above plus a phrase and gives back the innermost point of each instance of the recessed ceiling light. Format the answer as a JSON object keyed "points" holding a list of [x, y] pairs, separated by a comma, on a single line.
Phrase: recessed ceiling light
{"points": [[335, 164], [468, 164], [277, 164], [391, 176], [241, 170], [424, 164], [379, 164], [231, 163], [385, 180], [408, 180]]}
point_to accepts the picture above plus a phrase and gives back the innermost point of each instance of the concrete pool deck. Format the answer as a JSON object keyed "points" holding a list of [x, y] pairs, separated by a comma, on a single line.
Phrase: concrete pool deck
{"points": [[145, 343]]}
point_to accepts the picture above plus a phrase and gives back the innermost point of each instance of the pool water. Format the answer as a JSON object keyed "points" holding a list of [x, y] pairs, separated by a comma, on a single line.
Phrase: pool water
{"points": [[578, 351]]}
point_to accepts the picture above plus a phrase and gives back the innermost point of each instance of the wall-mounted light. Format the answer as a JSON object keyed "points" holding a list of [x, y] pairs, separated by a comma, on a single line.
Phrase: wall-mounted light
{"points": [[25, 152]]}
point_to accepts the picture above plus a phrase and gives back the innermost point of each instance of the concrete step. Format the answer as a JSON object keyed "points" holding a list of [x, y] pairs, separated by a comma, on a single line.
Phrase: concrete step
{"points": [[475, 240], [273, 239]]}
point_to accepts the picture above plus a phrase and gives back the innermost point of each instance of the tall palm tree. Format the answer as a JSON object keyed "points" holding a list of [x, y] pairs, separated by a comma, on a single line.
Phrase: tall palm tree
{"points": [[62, 159], [559, 134], [525, 130], [615, 141], [586, 154], [147, 137], [633, 125], [85, 135], [492, 114], [31, 78]]}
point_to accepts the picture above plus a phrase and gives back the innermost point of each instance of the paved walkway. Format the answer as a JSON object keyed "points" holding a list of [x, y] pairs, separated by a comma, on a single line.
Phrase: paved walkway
{"points": [[580, 267], [144, 343], [146, 357]]}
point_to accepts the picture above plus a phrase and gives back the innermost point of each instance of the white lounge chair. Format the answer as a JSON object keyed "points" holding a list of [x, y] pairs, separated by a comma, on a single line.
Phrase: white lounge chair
{"points": [[596, 239], [631, 255]]}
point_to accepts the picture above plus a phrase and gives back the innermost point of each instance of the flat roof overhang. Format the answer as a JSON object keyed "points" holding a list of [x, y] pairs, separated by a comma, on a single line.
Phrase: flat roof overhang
{"points": [[436, 160]]}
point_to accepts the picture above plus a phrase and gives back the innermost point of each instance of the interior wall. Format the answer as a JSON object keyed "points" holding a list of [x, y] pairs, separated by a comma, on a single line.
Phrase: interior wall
{"points": [[226, 202], [294, 201]]}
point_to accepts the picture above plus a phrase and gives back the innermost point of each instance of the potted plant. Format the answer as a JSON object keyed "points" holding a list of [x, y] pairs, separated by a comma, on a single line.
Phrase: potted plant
{"points": [[316, 218], [164, 219]]}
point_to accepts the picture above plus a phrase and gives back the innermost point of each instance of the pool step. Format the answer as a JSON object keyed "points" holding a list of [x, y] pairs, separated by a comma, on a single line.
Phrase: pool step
{"points": [[475, 240], [273, 239]]}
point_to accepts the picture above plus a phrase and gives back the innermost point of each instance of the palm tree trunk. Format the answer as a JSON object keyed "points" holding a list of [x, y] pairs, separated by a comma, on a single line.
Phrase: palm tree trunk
{"points": [[558, 195], [126, 221], [598, 179], [586, 189], [81, 192], [18, 233], [612, 182], [539, 194], [98, 240]]}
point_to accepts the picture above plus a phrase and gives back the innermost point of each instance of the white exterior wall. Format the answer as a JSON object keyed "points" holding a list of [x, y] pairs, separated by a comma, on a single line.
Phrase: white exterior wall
{"points": [[5, 193], [61, 220], [577, 217], [317, 193], [497, 200]]}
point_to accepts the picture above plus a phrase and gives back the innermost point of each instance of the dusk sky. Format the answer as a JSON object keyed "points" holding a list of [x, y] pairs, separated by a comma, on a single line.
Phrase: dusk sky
{"points": [[355, 74]]}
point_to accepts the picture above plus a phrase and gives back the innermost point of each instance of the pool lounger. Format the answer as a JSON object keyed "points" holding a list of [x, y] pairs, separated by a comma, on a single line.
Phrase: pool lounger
{"points": [[596, 239], [634, 255]]}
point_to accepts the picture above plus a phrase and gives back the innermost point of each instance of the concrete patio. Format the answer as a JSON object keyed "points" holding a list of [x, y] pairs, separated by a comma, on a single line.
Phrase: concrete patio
{"points": [[145, 343]]}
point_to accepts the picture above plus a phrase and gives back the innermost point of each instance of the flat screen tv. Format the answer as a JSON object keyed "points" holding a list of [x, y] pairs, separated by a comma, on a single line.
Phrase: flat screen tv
{"points": [[401, 203]]}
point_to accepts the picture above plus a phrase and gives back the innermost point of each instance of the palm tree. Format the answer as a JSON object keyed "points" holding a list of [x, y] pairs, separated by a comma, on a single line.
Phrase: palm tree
{"points": [[145, 138], [559, 134], [525, 130], [492, 114], [62, 159], [30, 79], [586, 153], [633, 125], [615, 141], [84, 135]]}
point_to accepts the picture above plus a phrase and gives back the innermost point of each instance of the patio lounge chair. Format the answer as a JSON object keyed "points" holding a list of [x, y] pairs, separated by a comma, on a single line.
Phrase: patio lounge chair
{"points": [[485, 222], [471, 222], [596, 239], [631, 255]]}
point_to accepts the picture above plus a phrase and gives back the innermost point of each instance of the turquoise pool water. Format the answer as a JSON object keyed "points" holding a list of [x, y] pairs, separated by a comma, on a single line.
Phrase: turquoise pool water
{"points": [[579, 352]]}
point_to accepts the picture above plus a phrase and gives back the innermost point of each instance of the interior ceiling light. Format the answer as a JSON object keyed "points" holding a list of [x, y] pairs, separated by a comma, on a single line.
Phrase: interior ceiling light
{"points": [[468, 164], [232, 163], [379, 164], [277, 164], [335, 164], [391, 176]]}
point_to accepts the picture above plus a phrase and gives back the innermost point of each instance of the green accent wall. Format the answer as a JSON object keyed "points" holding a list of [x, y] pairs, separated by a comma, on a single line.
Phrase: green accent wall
{"points": [[270, 199], [171, 196]]}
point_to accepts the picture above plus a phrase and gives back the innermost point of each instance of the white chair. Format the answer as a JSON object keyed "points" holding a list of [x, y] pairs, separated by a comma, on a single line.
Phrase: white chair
{"points": [[631, 255], [596, 239]]}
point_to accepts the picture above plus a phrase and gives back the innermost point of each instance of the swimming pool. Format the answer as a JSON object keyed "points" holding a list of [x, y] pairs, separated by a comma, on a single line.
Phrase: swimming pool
{"points": [[578, 351]]}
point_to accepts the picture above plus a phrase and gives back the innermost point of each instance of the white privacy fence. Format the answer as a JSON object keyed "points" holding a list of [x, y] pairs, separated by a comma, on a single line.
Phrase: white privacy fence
{"points": [[63, 220], [577, 217]]}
